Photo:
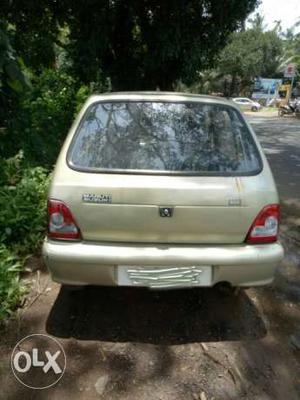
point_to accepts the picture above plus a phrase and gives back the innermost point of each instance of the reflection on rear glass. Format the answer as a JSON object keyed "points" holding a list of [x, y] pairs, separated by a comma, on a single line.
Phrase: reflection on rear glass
{"points": [[157, 136]]}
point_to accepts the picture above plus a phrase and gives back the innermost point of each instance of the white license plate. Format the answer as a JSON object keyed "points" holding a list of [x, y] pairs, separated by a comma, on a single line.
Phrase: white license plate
{"points": [[164, 276]]}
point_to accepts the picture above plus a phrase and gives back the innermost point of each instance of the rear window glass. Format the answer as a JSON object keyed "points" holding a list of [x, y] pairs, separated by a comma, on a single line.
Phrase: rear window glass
{"points": [[164, 137]]}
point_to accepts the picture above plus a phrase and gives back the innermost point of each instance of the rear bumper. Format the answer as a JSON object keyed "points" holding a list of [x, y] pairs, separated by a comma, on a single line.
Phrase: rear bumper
{"points": [[81, 263]]}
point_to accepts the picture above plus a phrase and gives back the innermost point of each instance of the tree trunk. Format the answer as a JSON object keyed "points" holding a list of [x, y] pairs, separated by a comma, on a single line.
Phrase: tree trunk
{"points": [[233, 85]]}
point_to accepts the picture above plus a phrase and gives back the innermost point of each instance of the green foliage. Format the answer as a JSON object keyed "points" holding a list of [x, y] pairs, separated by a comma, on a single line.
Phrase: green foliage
{"points": [[22, 205], [81, 96], [11, 73], [22, 224], [44, 117], [207, 82], [138, 44], [250, 53], [11, 289], [23, 192], [13, 79], [150, 44], [291, 45], [86, 90], [36, 29]]}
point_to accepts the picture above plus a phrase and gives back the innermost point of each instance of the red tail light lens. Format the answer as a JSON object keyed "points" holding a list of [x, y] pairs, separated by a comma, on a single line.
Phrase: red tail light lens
{"points": [[61, 223], [265, 226]]}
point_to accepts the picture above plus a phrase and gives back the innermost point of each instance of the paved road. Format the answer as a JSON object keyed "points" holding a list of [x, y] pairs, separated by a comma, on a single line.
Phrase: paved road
{"points": [[280, 138]]}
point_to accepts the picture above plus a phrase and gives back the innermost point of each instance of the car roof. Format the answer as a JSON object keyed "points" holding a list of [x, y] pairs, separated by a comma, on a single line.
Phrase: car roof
{"points": [[159, 96]]}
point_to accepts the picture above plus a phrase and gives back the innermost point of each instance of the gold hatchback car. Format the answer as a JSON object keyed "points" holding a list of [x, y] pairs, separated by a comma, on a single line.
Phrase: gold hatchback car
{"points": [[162, 190]]}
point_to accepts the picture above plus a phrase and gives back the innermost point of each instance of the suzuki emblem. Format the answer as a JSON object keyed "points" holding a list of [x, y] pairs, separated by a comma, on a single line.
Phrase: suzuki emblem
{"points": [[165, 211]]}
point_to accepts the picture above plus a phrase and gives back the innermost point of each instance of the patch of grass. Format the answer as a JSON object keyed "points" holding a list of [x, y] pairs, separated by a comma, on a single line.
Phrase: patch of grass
{"points": [[11, 288], [270, 109]]}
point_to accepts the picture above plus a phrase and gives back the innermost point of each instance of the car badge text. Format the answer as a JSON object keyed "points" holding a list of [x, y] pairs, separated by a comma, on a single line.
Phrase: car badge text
{"points": [[94, 198]]}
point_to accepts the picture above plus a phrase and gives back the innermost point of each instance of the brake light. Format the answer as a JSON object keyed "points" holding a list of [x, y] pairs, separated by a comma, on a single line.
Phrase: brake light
{"points": [[265, 226], [61, 223]]}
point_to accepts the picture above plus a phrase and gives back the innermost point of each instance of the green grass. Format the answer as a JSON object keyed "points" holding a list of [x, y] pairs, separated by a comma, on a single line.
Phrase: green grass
{"points": [[270, 109], [11, 288]]}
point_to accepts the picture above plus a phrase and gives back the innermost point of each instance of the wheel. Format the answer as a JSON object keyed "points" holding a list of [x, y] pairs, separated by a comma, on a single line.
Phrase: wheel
{"points": [[226, 290], [254, 108], [280, 113]]}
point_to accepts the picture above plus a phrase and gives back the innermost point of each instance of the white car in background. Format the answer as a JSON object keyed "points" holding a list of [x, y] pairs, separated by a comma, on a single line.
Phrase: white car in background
{"points": [[247, 104]]}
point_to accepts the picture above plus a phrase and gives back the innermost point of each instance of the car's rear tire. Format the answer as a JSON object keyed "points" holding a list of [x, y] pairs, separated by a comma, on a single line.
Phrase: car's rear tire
{"points": [[254, 108], [227, 290]]}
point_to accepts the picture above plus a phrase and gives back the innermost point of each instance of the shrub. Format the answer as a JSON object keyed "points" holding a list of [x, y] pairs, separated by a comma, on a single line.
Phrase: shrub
{"points": [[22, 205], [42, 116], [35, 130], [43, 119], [22, 224], [11, 290]]}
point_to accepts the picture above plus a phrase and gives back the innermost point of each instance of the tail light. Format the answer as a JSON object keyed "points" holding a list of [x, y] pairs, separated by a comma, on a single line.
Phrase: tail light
{"points": [[61, 223], [265, 226]]}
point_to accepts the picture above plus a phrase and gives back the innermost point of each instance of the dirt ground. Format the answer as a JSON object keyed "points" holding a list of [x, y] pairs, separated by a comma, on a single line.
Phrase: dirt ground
{"points": [[188, 344], [136, 344], [263, 113]]}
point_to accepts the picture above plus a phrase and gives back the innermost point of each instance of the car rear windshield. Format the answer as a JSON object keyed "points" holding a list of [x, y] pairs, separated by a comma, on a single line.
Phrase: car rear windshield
{"points": [[164, 137]]}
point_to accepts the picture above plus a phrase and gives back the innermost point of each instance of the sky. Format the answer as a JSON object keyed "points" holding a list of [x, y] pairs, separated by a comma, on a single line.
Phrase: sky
{"points": [[288, 11]]}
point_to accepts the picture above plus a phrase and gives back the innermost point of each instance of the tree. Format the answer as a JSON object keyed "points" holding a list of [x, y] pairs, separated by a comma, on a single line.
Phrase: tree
{"points": [[12, 77], [139, 44], [35, 30], [258, 22], [291, 45], [11, 73], [249, 54]]}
